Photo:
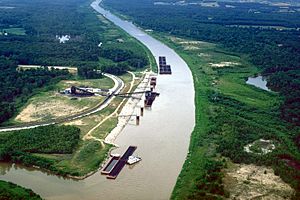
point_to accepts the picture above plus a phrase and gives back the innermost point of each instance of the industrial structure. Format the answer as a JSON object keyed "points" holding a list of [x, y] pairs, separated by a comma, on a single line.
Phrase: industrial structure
{"points": [[149, 96], [85, 91]]}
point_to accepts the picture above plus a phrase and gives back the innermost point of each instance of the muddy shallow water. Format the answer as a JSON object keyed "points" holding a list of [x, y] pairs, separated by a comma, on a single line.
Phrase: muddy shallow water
{"points": [[162, 140]]}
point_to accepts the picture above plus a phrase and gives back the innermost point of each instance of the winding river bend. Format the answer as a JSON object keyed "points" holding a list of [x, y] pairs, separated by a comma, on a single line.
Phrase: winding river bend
{"points": [[162, 140]]}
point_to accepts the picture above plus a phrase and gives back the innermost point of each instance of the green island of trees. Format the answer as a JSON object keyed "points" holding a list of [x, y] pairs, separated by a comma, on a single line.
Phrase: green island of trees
{"points": [[22, 146], [11, 191]]}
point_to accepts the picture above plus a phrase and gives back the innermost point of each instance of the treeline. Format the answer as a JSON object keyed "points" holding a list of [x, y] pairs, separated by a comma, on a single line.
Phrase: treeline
{"points": [[125, 60], [21, 146], [17, 86], [276, 52], [288, 83], [89, 72], [11, 191], [209, 186], [44, 20], [47, 139], [224, 13], [238, 125]]}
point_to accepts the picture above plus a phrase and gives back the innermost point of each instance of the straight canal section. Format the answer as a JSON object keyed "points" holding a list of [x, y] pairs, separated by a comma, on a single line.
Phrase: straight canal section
{"points": [[162, 139]]}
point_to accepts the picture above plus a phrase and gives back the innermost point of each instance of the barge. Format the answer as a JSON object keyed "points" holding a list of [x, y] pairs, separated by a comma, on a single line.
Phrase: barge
{"points": [[116, 163], [110, 165], [153, 82], [149, 98], [164, 68]]}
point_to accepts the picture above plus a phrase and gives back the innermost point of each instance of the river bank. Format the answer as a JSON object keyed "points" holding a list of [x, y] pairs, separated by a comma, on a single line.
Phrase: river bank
{"points": [[130, 109], [13, 191], [223, 100]]}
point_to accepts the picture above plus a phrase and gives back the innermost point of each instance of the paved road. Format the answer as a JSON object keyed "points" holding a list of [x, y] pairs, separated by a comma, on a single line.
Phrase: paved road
{"points": [[119, 84]]}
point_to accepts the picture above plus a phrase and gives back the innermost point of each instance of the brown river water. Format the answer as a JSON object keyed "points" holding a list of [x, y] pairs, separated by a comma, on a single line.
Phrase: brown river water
{"points": [[162, 140]]}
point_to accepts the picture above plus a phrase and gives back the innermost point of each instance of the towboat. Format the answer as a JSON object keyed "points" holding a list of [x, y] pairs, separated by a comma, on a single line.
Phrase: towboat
{"points": [[133, 159]]}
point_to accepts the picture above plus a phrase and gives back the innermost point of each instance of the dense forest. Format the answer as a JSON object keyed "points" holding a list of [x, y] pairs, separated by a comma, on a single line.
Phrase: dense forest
{"points": [[268, 37], [242, 124], [42, 21], [229, 116], [54, 33], [21, 146], [16, 86]]}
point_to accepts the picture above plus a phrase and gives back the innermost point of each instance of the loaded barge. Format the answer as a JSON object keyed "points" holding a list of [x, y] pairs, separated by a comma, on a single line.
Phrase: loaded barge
{"points": [[110, 165], [163, 67], [116, 164]]}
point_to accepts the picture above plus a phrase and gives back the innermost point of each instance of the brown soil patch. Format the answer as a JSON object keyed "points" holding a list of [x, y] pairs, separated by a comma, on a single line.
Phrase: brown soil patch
{"points": [[255, 182], [76, 123], [223, 64], [72, 70], [190, 47], [183, 41], [203, 55], [47, 110], [71, 82]]}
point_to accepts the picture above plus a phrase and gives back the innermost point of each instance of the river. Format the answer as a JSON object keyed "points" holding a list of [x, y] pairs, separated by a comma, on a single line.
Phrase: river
{"points": [[162, 140]]}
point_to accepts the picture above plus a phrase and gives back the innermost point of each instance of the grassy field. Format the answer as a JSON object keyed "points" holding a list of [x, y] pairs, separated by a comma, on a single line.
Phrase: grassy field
{"points": [[10, 191], [14, 31], [229, 115], [91, 152], [51, 104], [87, 158]]}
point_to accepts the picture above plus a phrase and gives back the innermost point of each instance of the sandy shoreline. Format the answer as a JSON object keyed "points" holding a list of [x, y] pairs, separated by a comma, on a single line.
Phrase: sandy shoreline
{"points": [[129, 111]]}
